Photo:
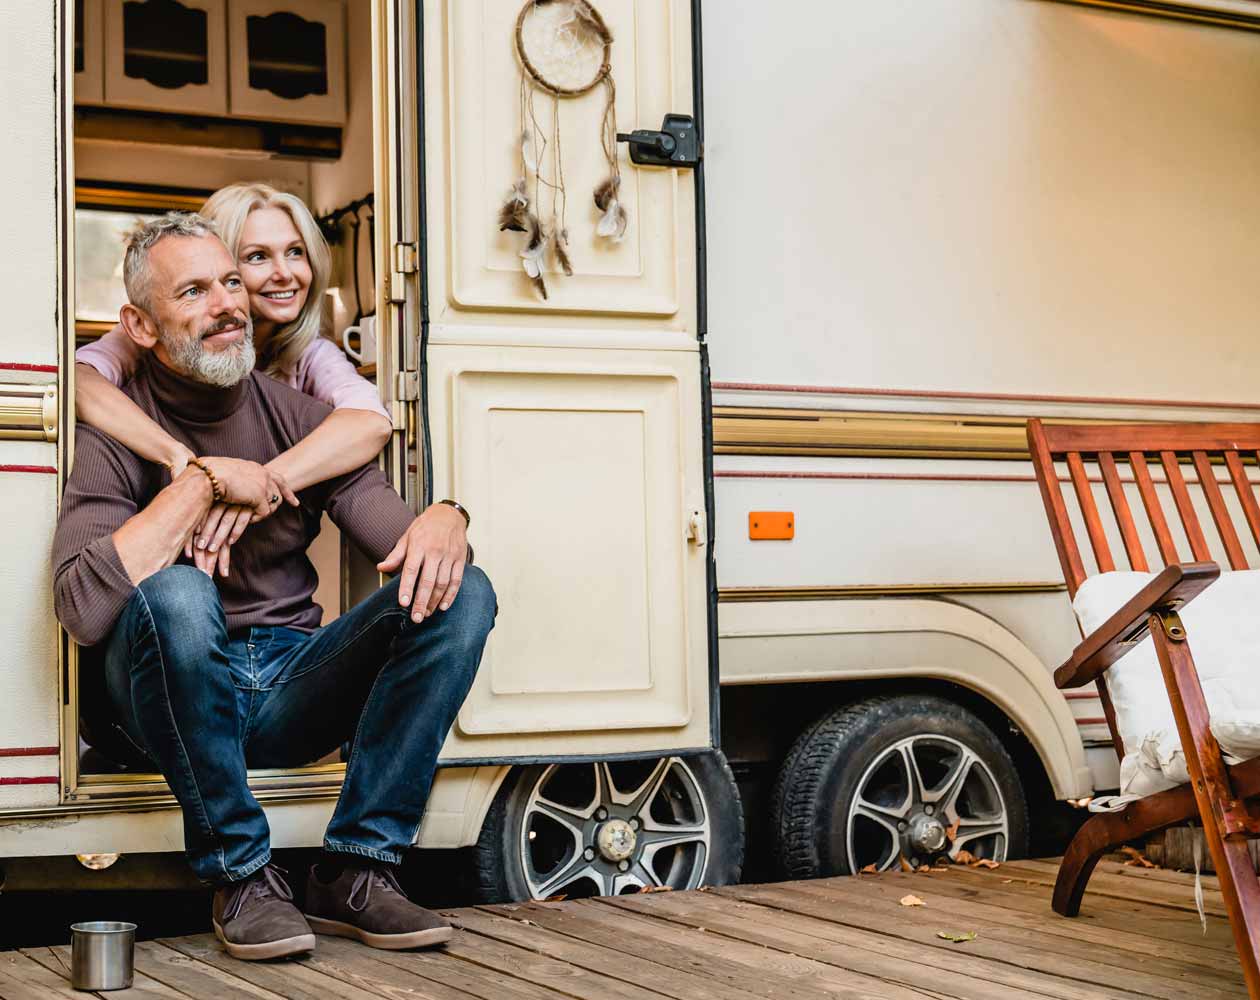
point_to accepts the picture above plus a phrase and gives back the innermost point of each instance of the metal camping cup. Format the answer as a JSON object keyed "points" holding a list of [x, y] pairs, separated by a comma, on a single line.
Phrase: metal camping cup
{"points": [[102, 955]]}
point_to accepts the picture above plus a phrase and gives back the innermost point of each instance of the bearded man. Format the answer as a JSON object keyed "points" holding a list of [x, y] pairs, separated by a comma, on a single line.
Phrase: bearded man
{"points": [[209, 679]]}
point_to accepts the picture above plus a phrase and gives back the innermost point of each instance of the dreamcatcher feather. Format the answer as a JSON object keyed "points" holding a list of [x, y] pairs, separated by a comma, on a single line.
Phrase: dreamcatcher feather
{"points": [[578, 36]]}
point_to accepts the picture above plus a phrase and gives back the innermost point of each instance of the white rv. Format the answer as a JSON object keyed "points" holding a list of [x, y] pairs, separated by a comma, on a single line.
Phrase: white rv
{"points": [[779, 425]]}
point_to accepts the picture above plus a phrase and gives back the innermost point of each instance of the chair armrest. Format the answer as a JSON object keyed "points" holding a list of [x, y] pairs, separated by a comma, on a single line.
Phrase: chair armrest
{"points": [[1174, 588]]}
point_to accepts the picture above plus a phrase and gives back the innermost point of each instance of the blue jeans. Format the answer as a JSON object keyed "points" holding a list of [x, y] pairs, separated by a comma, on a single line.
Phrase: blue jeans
{"points": [[205, 707]]}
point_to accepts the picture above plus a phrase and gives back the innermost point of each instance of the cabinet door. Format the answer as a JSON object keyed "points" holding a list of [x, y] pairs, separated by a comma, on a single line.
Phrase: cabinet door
{"points": [[167, 55], [89, 51], [571, 427], [288, 60]]}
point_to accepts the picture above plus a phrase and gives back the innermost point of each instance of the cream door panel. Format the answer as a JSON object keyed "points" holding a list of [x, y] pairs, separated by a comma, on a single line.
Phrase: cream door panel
{"points": [[36, 104], [473, 146], [576, 467], [29, 764]]}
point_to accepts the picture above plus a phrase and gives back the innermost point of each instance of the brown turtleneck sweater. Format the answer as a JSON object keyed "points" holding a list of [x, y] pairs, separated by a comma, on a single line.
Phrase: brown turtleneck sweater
{"points": [[272, 580]]}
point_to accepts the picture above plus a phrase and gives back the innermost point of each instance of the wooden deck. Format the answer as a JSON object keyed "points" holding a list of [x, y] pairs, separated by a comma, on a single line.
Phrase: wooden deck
{"points": [[1138, 936]]}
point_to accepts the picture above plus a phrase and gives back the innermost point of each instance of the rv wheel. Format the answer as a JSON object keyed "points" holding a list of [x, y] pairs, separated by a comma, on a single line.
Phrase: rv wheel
{"points": [[606, 829], [911, 778]]}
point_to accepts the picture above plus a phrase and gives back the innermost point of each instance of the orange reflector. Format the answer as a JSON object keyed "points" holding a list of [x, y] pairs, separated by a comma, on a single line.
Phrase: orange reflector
{"points": [[771, 524]]}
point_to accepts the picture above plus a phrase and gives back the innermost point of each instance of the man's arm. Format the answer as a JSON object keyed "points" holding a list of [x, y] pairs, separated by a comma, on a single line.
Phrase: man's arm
{"points": [[104, 544]]}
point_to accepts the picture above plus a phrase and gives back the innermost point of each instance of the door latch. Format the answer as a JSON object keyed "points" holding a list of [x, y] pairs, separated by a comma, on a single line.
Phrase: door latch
{"points": [[676, 145], [697, 528]]}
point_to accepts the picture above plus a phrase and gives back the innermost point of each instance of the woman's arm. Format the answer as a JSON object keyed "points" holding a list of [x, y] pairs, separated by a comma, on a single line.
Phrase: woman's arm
{"points": [[346, 440], [97, 401], [349, 437]]}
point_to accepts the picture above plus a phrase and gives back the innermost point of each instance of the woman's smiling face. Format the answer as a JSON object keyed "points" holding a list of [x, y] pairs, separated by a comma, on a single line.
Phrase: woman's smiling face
{"points": [[274, 267]]}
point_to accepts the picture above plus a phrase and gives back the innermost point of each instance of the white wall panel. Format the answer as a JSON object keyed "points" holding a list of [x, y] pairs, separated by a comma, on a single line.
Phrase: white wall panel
{"points": [[984, 195]]}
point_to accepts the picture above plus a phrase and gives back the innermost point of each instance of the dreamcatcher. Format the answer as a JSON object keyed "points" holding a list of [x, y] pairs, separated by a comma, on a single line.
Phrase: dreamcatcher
{"points": [[565, 51]]}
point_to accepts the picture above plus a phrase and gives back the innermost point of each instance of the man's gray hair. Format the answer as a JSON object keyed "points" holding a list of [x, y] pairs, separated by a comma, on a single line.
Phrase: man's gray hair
{"points": [[136, 271]]}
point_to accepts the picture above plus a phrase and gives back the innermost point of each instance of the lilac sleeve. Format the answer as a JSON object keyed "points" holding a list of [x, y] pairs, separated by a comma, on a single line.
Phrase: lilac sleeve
{"points": [[326, 374], [114, 355]]}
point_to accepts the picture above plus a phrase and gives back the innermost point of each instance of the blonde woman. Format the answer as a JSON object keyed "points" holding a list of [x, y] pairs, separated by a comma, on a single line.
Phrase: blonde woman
{"points": [[284, 263]]}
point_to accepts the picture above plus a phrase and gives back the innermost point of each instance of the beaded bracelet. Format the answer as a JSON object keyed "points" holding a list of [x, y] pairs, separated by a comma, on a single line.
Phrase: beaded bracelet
{"points": [[216, 488]]}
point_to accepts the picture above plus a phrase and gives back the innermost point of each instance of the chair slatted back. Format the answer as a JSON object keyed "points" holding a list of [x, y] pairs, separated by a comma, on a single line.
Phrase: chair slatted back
{"points": [[1171, 448]]}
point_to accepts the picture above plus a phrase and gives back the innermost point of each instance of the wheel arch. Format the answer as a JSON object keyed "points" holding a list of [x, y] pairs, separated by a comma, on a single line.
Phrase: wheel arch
{"points": [[877, 646]]}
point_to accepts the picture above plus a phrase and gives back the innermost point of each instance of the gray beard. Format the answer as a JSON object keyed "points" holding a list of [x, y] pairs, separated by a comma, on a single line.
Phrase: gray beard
{"points": [[222, 369]]}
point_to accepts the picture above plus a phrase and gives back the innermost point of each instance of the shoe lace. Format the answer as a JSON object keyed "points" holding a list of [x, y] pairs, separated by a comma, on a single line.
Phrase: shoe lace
{"points": [[366, 881], [267, 882]]}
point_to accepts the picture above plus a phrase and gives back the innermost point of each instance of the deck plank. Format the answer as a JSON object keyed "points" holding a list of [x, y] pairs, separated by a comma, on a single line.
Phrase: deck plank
{"points": [[290, 978], [829, 939], [614, 965], [1081, 938], [1053, 967], [873, 954], [752, 968]]}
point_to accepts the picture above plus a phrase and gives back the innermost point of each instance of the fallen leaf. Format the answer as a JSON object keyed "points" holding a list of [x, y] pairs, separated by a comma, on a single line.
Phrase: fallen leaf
{"points": [[905, 865], [964, 858], [657, 888], [957, 938], [559, 897], [869, 870], [939, 868], [986, 863], [1136, 857], [923, 868], [1007, 881], [911, 900], [952, 832]]}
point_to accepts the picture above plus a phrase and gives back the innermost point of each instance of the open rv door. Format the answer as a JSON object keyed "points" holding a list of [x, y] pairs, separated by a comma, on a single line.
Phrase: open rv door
{"points": [[38, 300], [572, 428]]}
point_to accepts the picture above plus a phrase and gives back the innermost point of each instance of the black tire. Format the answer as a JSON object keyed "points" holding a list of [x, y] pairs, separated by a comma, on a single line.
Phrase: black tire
{"points": [[499, 874], [820, 776]]}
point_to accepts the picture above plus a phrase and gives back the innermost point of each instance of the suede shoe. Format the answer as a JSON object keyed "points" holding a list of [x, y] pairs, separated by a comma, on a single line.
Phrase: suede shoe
{"points": [[369, 904], [255, 918]]}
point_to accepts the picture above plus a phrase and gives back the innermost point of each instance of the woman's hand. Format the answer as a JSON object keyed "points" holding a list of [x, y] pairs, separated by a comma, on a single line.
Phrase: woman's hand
{"points": [[210, 544], [249, 484], [435, 549]]}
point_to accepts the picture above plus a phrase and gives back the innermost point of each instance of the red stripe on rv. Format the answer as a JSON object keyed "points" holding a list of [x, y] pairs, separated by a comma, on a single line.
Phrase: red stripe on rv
{"points": [[46, 469], [43, 779], [17, 366], [29, 751]]}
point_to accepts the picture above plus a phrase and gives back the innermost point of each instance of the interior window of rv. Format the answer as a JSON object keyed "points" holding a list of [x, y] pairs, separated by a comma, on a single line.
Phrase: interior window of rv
{"points": [[99, 236]]}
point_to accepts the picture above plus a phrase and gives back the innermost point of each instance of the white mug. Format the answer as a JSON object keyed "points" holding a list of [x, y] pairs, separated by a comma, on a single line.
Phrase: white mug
{"points": [[366, 329]]}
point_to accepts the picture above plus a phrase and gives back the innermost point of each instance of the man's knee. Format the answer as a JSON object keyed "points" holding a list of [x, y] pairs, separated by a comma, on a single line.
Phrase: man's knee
{"points": [[475, 606], [184, 607]]}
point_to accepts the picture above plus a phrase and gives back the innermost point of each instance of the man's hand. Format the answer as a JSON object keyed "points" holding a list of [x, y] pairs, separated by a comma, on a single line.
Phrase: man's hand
{"points": [[434, 549], [210, 544], [251, 485]]}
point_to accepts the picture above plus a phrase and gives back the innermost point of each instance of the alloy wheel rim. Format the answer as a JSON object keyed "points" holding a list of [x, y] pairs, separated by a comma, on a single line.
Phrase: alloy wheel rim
{"points": [[601, 829], [925, 797]]}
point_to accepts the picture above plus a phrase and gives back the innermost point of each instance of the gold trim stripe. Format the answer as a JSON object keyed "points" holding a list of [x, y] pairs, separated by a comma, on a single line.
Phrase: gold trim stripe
{"points": [[737, 595], [1203, 13], [749, 430], [739, 430], [28, 412]]}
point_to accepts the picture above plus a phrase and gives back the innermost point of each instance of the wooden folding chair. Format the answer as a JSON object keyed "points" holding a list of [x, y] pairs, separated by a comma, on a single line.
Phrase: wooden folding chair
{"points": [[1222, 797]]}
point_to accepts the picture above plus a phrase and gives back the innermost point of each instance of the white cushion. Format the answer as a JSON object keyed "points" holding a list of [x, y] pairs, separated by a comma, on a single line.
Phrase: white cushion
{"points": [[1223, 627]]}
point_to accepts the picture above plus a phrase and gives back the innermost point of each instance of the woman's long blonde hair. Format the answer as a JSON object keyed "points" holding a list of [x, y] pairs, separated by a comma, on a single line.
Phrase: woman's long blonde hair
{"points": [[228, 208]]}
